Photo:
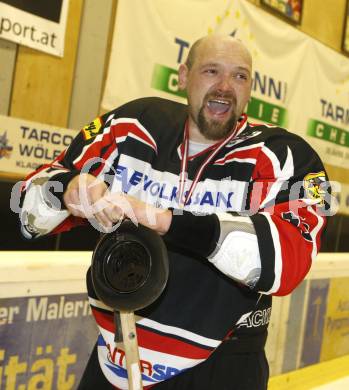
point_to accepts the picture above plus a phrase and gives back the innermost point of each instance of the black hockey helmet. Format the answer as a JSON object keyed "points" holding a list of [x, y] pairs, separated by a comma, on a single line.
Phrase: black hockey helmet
{"points": [[129, 267]]}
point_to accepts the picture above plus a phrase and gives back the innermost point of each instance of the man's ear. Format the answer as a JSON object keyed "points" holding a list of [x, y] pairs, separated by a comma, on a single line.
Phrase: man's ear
{"points": [[182, 76]]}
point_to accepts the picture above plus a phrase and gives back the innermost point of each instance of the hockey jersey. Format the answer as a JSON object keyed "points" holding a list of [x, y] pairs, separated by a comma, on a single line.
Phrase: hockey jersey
{"points": [[265, 175]]}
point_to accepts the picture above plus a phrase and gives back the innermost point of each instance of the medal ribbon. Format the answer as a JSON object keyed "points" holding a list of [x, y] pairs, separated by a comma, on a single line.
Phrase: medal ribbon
{"points": [[184, 163]]}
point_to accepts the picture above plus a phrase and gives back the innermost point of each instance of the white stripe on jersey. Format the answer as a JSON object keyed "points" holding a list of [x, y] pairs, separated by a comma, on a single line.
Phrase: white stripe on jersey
{"points": [[240, 160], [134, 121], [163, 328], [314, 232], [99, 304], [243, 127], [278, 255], [120, 139], [110, 117], [178, 332], [148, 354], [98, 138], [281, 175], [134, 136], [231, 153], [248, 147]]}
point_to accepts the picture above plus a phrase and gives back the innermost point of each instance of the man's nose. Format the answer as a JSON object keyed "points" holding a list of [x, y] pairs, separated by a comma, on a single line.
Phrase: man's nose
{"points": [[225, 84]]}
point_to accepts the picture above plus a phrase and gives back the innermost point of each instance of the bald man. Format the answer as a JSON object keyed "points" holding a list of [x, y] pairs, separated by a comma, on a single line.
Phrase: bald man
{"points": [[219, 191]]}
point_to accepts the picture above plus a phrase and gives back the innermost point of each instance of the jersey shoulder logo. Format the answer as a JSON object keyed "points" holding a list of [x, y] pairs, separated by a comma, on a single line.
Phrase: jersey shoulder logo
{"points": [[314, 186], [92, 129]]}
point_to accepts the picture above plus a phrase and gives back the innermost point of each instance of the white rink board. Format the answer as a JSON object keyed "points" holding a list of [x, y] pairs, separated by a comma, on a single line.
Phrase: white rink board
{"points": [[26, 274]]}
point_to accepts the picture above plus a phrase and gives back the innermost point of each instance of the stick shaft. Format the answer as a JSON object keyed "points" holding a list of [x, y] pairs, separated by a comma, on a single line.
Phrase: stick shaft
{"points": [[128, 327]]}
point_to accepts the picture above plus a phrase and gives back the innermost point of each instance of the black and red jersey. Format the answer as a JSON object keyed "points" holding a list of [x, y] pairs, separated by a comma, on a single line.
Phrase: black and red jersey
{"points": [[264, 173]]}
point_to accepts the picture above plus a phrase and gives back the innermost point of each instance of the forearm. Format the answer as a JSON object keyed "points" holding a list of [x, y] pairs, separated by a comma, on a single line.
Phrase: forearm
{"points": [[227, 241], [198, 234]]}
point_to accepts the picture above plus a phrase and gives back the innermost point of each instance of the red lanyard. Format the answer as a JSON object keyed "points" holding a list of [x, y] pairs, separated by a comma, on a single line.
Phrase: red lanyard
{"points": [[184, 164]]}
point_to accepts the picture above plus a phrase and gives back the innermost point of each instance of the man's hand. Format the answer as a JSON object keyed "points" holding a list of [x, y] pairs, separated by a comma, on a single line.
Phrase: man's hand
{"points": [[140, 212], [88, 197], [84, 198]]}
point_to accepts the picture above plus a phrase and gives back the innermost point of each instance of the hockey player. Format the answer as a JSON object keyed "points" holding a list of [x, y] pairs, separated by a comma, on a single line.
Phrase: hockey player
{"points": [[239, 205]]}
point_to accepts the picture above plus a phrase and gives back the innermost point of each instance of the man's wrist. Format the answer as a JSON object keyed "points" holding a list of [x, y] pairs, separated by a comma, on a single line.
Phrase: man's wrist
{"points": [[196, 233], [164, 221]]}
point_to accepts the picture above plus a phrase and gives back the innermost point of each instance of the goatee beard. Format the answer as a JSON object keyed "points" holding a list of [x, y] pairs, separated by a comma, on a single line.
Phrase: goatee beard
{"points": [[215, 130]]}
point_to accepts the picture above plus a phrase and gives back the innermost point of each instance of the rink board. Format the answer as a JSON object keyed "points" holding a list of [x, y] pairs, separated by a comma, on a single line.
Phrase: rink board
{"points": [[311, 325], [47, 331], [46, 328]]}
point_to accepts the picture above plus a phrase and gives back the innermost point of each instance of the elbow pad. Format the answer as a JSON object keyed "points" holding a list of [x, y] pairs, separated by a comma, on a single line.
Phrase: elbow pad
{"points": [[237, 253], [41, 211]]}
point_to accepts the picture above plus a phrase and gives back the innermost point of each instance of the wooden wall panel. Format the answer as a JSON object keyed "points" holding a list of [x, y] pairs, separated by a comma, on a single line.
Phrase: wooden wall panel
{"points": [[8, 51], [324, 20], [91, 61], [43, 83]]}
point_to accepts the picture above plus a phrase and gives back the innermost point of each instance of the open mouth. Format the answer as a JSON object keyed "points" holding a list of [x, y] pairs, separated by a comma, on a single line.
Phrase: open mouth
{"points": [[218, 106]]}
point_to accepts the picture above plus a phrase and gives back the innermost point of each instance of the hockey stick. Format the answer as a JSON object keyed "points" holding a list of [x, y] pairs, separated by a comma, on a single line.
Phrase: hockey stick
{"points": [[126, 333]]}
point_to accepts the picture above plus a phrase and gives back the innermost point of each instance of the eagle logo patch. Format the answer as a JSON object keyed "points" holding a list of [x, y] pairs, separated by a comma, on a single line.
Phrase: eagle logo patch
{"points": [[315, 187]]}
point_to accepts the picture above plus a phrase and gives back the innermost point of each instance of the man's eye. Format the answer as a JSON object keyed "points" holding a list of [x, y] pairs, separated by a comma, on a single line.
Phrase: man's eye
{"points": [[241, 76], [211, 71]]}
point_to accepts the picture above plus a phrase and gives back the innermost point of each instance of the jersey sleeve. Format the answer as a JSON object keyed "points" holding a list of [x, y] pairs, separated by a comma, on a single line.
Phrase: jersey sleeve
{"points": [[92, 151], [271, 244], [289, 199]]}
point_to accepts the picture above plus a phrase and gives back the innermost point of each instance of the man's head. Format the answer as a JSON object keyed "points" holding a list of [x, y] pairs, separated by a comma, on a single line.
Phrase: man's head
{"points": [[217, 78]]}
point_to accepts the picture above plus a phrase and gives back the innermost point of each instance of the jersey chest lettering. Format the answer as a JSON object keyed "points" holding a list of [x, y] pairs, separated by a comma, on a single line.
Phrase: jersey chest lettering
{"points": [[160, 188]]}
